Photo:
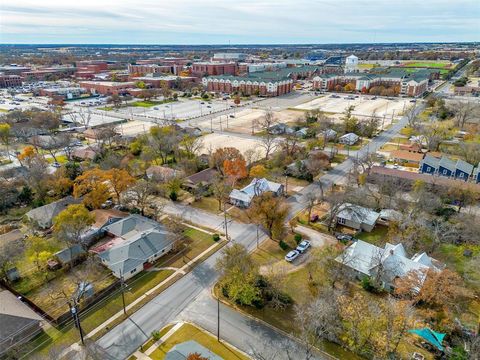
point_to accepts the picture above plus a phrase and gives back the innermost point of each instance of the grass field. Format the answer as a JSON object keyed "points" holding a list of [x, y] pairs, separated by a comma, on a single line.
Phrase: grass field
{"points": [[429, 64], [190, 332], [376, 236], [149, 103]]}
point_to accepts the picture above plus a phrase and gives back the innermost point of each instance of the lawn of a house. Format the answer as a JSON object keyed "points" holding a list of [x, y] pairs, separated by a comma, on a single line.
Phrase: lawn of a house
{"points": [[208, 203], [377, 236], [190, 332], [149, 103], [61, 159], [400, 140], [389, 147]]}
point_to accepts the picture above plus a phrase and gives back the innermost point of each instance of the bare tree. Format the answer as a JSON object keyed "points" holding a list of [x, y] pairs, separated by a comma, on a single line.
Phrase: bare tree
{"points": [[465, 112], [268, 140], [412, 116], [140, 195]]}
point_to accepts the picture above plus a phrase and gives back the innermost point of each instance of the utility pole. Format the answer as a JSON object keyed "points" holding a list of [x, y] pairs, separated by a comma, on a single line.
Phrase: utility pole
{"points": [[122, 284], [257, 237], [218, 317], [286, 185], [225, 218], [76, 319]]}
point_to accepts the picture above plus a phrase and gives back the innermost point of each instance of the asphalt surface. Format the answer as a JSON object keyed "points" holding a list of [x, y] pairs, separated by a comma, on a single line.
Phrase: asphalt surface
{"points": [[189, 298]]}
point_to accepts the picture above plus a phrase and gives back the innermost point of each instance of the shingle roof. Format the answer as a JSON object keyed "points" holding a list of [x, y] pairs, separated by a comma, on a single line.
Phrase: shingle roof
{"points": [[431, 161], [358, 214], [44, 215], [464, 166], [447, 163]]}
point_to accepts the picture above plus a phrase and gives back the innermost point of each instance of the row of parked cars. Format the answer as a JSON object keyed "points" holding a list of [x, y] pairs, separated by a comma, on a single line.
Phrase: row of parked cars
{"points": [[300, 249]]}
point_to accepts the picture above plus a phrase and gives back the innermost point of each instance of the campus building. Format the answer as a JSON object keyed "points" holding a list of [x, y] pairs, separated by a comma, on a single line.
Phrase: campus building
{"points": [[7, 81], [107, 87], [263, 83], [399, 81], [214, 68]]}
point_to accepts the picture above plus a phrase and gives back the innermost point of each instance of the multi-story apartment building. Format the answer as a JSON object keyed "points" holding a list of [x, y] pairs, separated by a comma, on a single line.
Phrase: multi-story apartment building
{"points": [[7, 81]]}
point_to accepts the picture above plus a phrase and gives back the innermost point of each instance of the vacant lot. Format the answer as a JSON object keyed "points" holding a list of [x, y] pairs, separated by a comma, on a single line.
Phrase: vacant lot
{"points": [[247, 120], [133, 128], [212, 142]]}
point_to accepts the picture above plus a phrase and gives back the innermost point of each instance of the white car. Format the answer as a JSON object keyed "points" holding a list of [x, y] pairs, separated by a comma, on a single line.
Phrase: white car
{"points": [[303, 246], [292, 255]]}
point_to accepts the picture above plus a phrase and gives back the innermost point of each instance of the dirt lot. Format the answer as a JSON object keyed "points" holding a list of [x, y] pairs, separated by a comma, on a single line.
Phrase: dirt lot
{"points": [[245, 119], [364, 106], [212, 142], [135, 127]]}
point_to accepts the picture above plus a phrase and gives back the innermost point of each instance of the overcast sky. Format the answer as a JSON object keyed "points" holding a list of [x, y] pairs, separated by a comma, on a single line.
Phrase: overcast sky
{"points": [[240, 21]]}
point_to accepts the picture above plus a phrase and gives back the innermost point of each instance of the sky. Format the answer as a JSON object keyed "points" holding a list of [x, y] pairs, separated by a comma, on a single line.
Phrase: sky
{"points": [[237, 22]]}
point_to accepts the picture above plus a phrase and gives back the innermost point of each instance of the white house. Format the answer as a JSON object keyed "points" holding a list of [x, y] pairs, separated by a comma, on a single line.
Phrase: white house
{"points": [[366, 259], [244, 197], [357, 217], [348, 139]]}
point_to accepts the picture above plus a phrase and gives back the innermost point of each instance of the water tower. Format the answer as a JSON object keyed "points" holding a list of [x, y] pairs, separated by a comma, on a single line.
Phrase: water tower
{"points": [[351, 64]]}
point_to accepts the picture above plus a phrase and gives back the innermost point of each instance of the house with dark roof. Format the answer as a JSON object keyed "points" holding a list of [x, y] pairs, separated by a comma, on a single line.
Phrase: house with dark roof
{"points": [[43, 216], [18, 322], [446, 167], [463, 170], [163, 173], [201, 179], [429, 165], [137, 243]]}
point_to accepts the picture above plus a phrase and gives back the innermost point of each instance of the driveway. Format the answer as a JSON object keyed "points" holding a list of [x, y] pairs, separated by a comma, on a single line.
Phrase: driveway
{"points": [[317, 238]]}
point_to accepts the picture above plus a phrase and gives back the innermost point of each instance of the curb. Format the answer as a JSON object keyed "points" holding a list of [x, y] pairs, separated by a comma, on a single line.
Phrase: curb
{"points": [[283, 332]]}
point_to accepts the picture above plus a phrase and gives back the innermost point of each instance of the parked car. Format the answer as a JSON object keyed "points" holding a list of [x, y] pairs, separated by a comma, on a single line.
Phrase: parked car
{"points": [[344, 237], [303, 246], [56, 165], [314, 218], [292, 255], [107, 204]]}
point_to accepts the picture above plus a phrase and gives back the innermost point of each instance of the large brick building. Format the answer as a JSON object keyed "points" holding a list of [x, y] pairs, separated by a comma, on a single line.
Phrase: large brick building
{"points": [[262, 83], [399, 81], [7, 81], [201, 69], [107, 87]]}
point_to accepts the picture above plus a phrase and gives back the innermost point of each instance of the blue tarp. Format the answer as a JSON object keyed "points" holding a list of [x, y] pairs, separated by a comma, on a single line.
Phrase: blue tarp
{"points": [[431, 336]]}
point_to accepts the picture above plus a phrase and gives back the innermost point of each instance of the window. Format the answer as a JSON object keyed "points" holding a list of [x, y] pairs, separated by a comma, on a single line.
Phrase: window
{"points": [[341, 221], [429, 168], [133, 271], [444, 172], [460, 175]]}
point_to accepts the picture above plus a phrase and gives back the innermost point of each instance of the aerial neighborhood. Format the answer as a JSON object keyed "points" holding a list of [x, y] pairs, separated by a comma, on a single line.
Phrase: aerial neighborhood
{"points": [[193, 202]]}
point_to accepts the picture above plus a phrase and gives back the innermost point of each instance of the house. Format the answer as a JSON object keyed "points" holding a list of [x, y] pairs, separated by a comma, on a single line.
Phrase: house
{"points": [[12, 237], [163, 173], [279, 129], [87, 153], [19, 323], [349, 139], [302, 133], [429, 165], [43, 216], [476, 174], [70, 254], [357, 217], [244, 197], [201, 179], [183, 350], [103, 218], [463, 170], [297, 169], [328, 134], [137, 242], [402, 156], [389, 215], [366, 259], [446, 167]]}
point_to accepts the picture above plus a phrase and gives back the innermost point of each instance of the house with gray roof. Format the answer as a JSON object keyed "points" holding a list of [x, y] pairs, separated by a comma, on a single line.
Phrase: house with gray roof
{"points": [[463, 170], [19, 323], [357, 217], [429, 165], [446, 167], [183, 350], [476, 174], [137, 243], [388, 263], [349, 139], [244, 197], [43, 216]]}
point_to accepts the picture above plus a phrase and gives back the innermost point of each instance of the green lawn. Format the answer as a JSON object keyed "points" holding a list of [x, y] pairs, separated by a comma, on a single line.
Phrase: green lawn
{"points": [[190, 332], [377, 236], [149, 103], [209, 204], [429, 64]]}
